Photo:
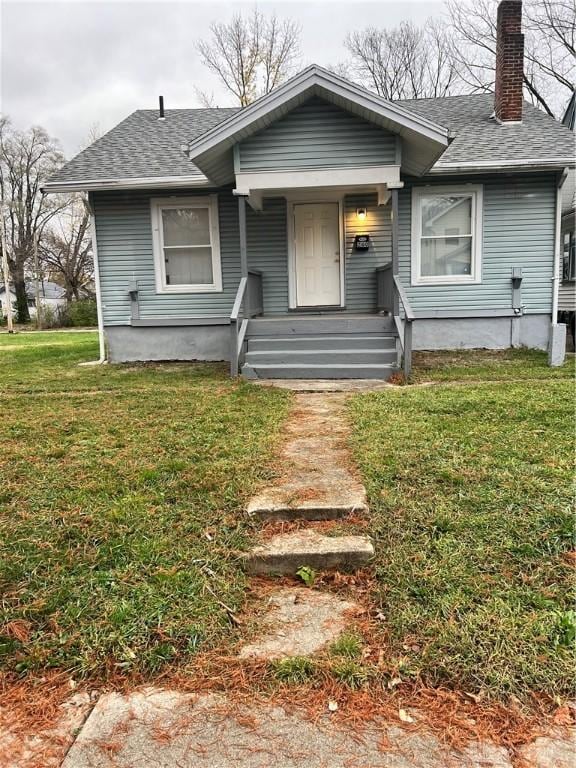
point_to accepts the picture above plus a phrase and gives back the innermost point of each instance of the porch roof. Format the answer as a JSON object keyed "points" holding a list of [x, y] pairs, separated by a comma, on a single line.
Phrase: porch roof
{"points": [[423, 139]]}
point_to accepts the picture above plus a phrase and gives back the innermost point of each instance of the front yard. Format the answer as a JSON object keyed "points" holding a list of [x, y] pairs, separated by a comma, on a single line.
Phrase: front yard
{"points": [[121, 498], [471, 497], [121, 515]]}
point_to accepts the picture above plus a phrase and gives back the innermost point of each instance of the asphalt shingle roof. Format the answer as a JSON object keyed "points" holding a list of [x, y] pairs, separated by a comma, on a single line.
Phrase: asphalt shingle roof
{"points": [[142, 146], [480, 138]]}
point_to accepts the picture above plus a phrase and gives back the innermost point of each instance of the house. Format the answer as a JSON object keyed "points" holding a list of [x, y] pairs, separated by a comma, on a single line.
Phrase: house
{"points": [[567, 290], [325, 232], [52, 295]]}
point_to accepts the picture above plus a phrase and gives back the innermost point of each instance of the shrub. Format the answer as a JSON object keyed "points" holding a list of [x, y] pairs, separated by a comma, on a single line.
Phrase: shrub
{"points": [[72, 315], [82, 312]]}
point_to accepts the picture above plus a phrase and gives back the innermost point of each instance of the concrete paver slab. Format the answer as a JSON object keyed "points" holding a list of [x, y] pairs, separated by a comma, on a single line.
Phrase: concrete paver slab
{"points": [[42, 748], [287, 552], [298, 622], [317, 482]]}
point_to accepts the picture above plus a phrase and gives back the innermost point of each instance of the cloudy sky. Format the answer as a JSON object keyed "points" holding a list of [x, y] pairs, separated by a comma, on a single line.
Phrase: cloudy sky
{"points": [[71, 66]]}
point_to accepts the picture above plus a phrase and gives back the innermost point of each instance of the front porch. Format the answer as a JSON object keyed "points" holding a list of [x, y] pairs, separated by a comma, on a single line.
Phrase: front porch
{"points": [[330, 305]]}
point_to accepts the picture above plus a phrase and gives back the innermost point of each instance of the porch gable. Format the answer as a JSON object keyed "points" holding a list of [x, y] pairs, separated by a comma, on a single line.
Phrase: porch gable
{"points": [[318, 134]]}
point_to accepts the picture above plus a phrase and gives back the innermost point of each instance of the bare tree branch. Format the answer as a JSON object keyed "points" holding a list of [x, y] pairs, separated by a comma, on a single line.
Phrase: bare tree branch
{"points": [[404, 62], [251, 55], [27, 159], [66, 249]]}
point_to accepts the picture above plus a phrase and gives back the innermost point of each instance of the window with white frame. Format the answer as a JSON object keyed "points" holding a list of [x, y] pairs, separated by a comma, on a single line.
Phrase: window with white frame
{"points": [[186, 244], [446, 235]]}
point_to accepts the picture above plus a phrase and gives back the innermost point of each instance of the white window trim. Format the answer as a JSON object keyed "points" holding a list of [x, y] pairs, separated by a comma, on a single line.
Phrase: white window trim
{"points": [[157, 205], [475, 276]]}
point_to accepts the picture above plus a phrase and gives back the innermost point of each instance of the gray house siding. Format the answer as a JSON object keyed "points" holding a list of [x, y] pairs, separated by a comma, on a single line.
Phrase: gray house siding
{"points": [[124, 237], [518, 231], [267, 245], [268, 251], [361, 265], [317, 135]]}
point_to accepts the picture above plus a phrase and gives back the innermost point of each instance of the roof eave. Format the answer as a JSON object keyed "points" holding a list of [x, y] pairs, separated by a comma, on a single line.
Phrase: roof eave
{"points": [[152, 182], [552, 164]]}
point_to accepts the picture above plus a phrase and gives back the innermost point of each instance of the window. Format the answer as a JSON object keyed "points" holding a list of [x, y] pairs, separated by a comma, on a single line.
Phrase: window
{"points": [[569, 257], [186, 244], [446, 235]]}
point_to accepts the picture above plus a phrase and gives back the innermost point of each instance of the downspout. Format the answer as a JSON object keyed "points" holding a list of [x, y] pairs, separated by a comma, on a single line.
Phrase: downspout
{"points": [[557, 247], [102, 345]]}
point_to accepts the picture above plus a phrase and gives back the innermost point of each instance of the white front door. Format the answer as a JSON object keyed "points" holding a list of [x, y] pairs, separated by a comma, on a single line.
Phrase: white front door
{"points": [[317, 254]]}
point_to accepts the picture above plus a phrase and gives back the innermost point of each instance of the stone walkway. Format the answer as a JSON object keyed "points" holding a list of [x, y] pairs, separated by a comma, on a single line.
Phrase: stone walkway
{"points": [[317, 482], [159, 728]]}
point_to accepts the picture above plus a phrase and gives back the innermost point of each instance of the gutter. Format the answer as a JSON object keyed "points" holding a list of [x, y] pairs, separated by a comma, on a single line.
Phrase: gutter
{"points": [[152, 182], [556, 163]]}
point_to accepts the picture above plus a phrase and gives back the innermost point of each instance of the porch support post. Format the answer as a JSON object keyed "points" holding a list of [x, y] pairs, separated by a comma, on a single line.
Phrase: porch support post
{"points": [[395, 260], [242, 226]]}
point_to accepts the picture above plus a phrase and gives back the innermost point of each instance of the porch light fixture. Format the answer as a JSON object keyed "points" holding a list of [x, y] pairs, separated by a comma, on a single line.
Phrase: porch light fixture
{"points": [[361, 213]]}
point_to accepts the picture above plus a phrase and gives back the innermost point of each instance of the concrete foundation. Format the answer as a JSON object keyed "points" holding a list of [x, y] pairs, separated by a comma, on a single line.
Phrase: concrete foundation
{"points": [[482, 332], [212, 342], [192, 342]]}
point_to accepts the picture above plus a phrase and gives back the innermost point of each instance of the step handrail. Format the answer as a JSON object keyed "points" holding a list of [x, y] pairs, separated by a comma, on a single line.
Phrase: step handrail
{"points": [[248, 303], [404, 325]]}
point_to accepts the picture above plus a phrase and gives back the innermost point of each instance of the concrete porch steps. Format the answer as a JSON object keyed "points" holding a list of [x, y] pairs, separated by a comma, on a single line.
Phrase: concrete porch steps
{"points": [[335, 357]]}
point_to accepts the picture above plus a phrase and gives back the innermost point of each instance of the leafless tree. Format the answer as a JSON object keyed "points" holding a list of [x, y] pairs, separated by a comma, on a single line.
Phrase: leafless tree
{"points": [[549, 41], [251, 55], [27, 159], [66, 249], [404, 62]]}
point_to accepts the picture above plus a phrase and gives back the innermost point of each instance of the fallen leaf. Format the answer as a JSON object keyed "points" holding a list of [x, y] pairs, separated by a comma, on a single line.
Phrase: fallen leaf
{"points": [[404, 716], [332, 706]]}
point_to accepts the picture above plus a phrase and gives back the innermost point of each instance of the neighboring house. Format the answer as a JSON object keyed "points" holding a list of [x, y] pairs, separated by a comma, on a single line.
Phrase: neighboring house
{"points": [[51, 295], [324, 231], [567, 291]]}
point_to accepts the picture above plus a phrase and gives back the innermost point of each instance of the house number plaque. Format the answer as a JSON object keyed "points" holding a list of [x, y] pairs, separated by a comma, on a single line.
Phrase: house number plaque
{"points": [[361, 242]]}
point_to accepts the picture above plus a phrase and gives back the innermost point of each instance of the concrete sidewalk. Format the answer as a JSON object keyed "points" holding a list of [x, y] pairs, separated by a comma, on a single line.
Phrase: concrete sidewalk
{"points": [[157, 728]]}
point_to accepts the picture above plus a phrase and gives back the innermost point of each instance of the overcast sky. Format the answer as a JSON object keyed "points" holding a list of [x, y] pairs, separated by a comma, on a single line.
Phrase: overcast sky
{"points": [[69, 66]]}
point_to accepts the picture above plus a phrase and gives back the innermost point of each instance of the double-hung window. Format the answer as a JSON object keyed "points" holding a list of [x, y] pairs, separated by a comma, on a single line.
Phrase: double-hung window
{"points": [[186, 244], [446, 235]]}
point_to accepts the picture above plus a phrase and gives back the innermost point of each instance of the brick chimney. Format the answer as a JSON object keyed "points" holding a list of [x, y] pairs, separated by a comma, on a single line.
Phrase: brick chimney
{"points": [[509, 62]]}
